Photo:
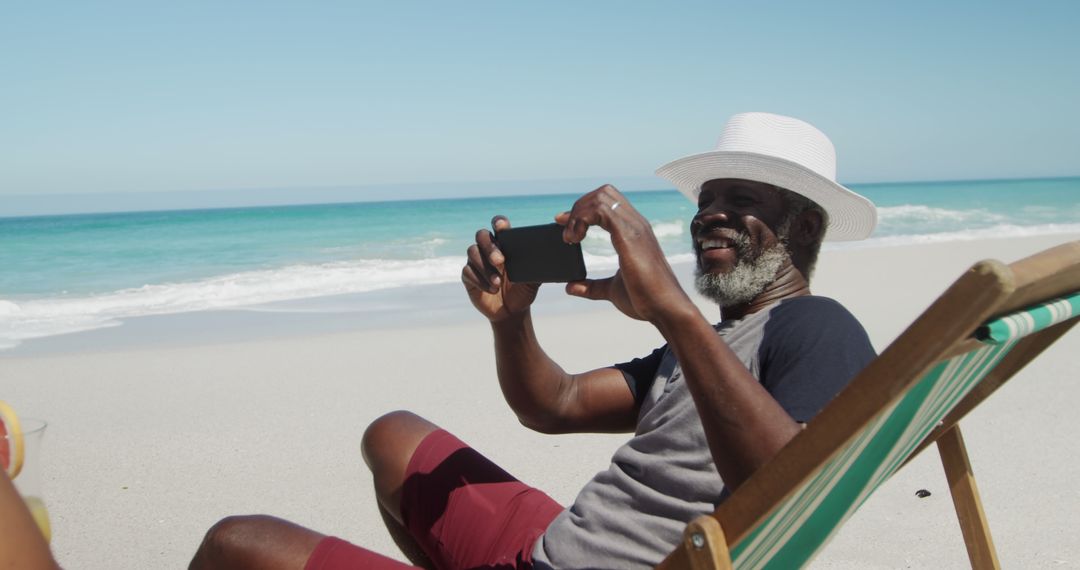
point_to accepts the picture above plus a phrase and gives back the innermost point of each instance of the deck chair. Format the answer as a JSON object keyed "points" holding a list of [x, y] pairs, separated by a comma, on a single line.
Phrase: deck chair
{"points": [[987, 326]]}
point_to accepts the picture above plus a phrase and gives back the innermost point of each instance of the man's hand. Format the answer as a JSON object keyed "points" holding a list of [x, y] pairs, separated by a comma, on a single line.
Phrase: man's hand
{"points": [[644, 287], [484, 276], [611, 289]]}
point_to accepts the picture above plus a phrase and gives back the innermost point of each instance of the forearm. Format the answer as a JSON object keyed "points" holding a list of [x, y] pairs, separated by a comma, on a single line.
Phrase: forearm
{"points": [[532, 383], [21, 543], [744, 425]]}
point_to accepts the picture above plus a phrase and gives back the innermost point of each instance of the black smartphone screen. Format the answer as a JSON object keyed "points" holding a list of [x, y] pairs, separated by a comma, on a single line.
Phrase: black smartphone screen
{"points": [[538, 254]]}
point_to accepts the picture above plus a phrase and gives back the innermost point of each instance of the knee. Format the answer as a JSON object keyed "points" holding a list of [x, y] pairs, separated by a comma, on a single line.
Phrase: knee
{"points": [[228, 541], [392, 433]]}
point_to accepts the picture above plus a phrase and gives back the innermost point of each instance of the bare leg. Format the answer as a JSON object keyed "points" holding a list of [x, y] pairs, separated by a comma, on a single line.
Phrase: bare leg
{"points": [[473, 501], [261, 541], [256, 541], [388, 445], [405, 542]]}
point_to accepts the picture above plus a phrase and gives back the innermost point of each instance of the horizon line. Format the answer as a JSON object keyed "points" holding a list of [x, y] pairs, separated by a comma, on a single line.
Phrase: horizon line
{"points": [[240, 194]]}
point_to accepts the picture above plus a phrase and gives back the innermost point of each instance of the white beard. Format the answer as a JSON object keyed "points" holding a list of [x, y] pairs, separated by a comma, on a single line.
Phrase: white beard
{"points": [[748, 279]]}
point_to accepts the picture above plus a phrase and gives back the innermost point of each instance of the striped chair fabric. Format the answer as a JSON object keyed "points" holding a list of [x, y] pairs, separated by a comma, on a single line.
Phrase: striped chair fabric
{"points": [[801, 525]]}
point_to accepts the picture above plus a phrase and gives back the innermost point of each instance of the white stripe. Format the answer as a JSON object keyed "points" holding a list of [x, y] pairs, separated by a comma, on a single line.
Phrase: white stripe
{"points": [[954, 383], [797, 509], [957, 378], [1028, 321], [1060, 310], [794, 511], [887, 463]]}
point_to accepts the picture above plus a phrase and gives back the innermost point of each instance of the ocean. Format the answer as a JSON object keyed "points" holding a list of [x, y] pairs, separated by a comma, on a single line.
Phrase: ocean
{"points": [[64, 274]]}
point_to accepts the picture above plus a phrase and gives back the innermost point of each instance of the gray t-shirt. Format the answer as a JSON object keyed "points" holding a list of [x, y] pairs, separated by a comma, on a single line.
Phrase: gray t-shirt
{"points": [[803, 350]]}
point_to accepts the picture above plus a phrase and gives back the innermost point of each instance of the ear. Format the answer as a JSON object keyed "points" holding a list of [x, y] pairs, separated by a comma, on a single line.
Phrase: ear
{"points": [[807, 228]]}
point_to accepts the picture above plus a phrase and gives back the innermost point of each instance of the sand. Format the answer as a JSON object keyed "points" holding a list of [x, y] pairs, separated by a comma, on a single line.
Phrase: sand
{"points": [[150, 443]]}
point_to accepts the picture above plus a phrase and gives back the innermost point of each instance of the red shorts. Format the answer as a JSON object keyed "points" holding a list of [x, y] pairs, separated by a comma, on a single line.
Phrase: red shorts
{"points": [[463, 510]]}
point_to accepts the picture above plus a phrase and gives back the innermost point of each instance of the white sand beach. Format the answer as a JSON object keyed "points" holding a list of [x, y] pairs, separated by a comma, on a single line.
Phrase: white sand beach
{"points": [[150, 444]]}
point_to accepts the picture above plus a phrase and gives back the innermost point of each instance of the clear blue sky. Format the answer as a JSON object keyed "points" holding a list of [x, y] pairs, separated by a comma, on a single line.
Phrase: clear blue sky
{"points": [[150, 97]]}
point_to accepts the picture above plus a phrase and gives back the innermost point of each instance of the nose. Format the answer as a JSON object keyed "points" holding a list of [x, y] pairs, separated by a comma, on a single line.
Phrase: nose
{"points": [[708, 216]]}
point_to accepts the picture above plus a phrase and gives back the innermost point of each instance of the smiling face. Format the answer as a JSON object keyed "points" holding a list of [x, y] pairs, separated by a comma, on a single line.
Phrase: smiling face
{"points": [[739, 235]]}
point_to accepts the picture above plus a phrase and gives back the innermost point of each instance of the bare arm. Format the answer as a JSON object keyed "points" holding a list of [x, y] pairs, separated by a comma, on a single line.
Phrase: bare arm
{"points": [[21, 543], [549, 400], [743, 423], [544, 397]]}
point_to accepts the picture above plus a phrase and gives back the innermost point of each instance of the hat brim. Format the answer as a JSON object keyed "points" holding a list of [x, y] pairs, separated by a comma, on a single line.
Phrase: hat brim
{"points": [[851, 216]]}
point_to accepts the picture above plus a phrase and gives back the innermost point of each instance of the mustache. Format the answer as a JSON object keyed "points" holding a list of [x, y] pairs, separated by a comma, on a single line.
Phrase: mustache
{"points": [[740, 239]]}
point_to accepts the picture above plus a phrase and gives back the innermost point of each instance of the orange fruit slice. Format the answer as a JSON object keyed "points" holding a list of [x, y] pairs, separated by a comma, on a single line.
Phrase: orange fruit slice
{"points": [[12, 448]]}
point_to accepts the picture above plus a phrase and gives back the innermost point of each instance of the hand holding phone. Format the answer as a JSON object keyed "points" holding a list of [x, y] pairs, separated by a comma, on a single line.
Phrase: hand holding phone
{"points": [[538, 254]]}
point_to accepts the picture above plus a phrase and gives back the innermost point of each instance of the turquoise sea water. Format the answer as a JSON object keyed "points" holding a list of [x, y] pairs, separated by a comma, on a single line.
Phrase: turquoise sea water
{"points": [[68, 273]]}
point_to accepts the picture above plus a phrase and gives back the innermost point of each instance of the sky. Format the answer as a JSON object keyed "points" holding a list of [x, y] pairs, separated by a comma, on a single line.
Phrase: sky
{"points": [[141, 102]]}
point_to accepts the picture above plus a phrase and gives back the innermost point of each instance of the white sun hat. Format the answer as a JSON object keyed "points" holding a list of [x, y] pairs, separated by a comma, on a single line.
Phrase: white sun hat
{"points": [[784, 152]]}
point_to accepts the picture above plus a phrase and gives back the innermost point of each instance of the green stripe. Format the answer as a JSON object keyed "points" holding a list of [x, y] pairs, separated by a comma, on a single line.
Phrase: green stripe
{"points": [[970, 369], [800, 525], [824, 521], [764, 539], [798, 528], [818, 524], [1032, 319]]}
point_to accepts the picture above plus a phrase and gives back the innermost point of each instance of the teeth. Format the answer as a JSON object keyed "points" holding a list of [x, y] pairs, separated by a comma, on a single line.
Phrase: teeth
{"points": [[716, 244]]}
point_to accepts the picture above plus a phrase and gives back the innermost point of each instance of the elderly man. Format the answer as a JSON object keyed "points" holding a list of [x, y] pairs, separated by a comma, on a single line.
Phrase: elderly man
{"points": [[707, 409]]}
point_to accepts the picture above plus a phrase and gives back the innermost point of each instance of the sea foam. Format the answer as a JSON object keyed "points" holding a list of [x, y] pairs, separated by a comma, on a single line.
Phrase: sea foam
{"points": [[1000, 231], [927, 214], [24, 317], [42, 317]]}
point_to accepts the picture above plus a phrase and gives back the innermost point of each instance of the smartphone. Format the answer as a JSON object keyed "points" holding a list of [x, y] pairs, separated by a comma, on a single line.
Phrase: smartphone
{"points": [[538, 254]]}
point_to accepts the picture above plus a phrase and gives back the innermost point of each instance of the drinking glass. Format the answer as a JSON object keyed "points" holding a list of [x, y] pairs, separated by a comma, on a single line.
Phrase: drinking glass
{"points": [[29, 480]]}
